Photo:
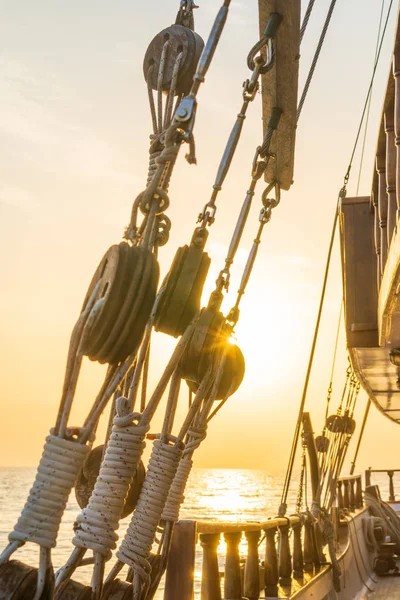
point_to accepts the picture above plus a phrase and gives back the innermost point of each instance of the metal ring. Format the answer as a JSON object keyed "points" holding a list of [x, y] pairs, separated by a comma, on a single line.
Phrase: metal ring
{"points": [[162, 205]]}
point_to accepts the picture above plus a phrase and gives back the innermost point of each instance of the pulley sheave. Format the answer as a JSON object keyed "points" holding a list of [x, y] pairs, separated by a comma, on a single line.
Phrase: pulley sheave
{"points": [[180, 40], [87, 478], [184, 286], [129, 278], [207, 339]]}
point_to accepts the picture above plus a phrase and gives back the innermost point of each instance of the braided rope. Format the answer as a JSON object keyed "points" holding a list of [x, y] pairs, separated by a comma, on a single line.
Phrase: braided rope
{"points": [[57, 471], [136, 545], [96, 525]]}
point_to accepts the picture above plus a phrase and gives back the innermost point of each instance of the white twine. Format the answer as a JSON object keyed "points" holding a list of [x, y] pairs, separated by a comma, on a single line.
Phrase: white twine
{"points": [[96, 525], [57, 471], [136, 546]]}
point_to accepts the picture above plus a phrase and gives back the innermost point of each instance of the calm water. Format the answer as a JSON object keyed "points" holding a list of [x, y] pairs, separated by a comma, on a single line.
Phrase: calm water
{"points": [[224, 494]]}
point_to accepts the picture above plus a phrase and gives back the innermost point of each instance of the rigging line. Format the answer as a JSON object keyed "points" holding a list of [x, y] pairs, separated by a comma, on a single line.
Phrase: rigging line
{"points": [[306, 18], [368, 93], [333, 362], [369, 102], [310, 362], [315, 59], [353, 463]]}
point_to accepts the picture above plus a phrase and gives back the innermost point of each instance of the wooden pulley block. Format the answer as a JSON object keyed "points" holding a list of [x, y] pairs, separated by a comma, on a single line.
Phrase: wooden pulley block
{"points": [[118, 590], [87, 478], [207, 337], [322, 444], [72, 590], [232, 375], [181, 299], [335, 423], [129, 277], [180, 39], [136, 308], [18, 581], [349, 425]]}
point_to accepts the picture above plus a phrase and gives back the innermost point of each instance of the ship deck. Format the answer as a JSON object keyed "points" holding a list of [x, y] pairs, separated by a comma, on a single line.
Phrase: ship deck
{"points": [[387, 588]]}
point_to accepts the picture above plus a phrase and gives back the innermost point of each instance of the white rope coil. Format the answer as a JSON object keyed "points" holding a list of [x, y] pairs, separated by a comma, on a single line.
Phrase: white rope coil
{"points": [[176, 494], [96, 526], [55, 478], [136, 545]]}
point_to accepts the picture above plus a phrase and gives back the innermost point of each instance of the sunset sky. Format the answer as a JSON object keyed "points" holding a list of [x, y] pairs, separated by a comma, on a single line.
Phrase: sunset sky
{"points": [[74, 124]]}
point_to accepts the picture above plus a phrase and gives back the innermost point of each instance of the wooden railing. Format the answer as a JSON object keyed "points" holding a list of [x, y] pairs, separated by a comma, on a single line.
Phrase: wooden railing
{"points": [[390, 474], [386, 181], [278, 552], [349, 492]]}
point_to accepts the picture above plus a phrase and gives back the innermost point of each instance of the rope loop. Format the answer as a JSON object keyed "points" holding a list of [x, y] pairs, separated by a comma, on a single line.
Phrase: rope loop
{"points": [[57, 471], [96, 525], [159, 196], [137, 543]]}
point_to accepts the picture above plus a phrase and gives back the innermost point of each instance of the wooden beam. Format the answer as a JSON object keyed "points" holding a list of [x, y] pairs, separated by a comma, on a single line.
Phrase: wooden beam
{"points": [[280, 87]]}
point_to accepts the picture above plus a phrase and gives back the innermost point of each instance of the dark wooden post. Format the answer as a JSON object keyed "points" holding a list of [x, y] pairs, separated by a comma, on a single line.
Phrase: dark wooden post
{"points": [[359, 498], [352, 496], [368, 477], [285, 559], [210, 584], [181, 559], [252, 569], [271, 576], [340, 494], [391, 487], [232, 581], [390, 173], [346, 497], [377, 233], [382, 208], [298, 561], [308, 547], [396, 73]]}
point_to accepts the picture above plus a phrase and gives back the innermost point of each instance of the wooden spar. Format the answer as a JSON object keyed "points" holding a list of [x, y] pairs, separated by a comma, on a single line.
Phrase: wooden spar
{"points": [[280, 87], [312, 454]]}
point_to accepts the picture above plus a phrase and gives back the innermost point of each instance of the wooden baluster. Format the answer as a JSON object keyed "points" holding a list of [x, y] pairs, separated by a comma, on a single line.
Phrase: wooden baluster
{"points": [[232, 581], [298, 561], [308, 547], [346, 497], [271, 575], [368, 477], [377, 235], [352, 496], [181, 559], [340, 494], [359, 498], [382, 208], [285, 559], [396, 73], [391, 487], [390, 174], [252, 569], [210, 584]]}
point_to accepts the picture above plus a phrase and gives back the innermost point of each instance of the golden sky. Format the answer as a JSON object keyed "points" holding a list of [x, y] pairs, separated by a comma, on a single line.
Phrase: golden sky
{"points": [[75, 123]]}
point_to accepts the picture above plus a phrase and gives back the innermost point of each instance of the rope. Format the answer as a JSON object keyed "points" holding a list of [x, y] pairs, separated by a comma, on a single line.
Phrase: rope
{"points": [[96, 525], [306, 18], [57, 471], [367, 408], [309, 368], [368, 93], [315, 59], [136, 545], [378, 508], [369, 102]]}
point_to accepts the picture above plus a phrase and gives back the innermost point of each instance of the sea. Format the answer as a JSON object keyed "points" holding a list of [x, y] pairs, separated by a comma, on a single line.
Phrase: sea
{"points": [[212, 494]]}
